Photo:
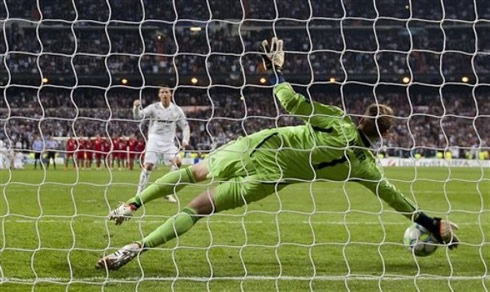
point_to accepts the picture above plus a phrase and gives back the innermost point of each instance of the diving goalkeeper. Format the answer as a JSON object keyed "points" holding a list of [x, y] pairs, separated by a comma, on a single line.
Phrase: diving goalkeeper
{"points": [[328, 146]]}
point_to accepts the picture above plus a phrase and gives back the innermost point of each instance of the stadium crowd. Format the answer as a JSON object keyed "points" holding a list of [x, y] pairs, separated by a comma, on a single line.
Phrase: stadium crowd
{"points": [[424, 122], [252, 9], [439, 41], [340, 39], [331, 53]]}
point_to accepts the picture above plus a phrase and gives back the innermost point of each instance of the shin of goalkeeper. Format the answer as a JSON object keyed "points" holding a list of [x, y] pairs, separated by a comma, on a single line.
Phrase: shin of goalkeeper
{"points": [[329, 146]]}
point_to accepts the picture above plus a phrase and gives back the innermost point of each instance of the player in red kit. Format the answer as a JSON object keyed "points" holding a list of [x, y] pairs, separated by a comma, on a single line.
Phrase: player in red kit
{"points": [[132, 146], [71, 145], [106, 151], [89, 153], [115, 153], [123, 152], [98, 143], [81, 153]]}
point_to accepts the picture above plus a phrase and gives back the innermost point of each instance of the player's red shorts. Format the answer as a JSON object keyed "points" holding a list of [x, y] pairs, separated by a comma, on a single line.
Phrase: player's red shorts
{"points": [[98, 154], [89, 155], [119, 154], [80, 155]]}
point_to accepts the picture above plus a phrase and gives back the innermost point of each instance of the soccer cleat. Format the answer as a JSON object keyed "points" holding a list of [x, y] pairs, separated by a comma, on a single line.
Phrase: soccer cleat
{"points": [[171, 198], [122, 213], [121, 257]]}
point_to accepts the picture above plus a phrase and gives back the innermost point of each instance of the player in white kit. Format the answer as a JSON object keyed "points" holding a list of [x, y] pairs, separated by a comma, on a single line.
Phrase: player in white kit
{"points": [[164, 117]]}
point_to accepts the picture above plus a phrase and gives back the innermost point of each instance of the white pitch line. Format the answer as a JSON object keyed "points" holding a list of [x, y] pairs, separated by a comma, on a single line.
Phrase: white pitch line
{"points": [[89, 201], [246, 222], [261, 278]]}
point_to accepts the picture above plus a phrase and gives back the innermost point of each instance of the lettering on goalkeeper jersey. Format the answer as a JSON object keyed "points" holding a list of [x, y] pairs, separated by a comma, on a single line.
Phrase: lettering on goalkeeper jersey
{"points": [[360, 154], [330, 163]]}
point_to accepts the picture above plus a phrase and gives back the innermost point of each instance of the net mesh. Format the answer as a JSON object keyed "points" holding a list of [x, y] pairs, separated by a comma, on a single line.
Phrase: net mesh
{"points": [[73, 69]]}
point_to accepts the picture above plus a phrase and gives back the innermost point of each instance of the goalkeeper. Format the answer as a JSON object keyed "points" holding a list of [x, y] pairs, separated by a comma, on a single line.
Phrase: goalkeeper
{"points": [[329, 146]]}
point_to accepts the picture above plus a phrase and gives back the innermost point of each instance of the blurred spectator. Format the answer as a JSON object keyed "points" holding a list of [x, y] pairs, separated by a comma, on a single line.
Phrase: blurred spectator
{"points": [[51, 147], [425, 121], [432, 43], [37, 147]]}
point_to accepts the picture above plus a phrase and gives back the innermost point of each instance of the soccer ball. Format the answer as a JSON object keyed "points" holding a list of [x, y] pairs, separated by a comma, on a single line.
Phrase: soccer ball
{"points": [[419, 240]]}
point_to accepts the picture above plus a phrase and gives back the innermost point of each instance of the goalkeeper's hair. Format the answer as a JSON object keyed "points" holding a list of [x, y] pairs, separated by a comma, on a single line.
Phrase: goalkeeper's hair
{"points": [[377, 119]]}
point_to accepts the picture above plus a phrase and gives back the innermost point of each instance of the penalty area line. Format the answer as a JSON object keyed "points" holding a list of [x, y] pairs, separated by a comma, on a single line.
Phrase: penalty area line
{"points": [[263, 278], [42, 221]]}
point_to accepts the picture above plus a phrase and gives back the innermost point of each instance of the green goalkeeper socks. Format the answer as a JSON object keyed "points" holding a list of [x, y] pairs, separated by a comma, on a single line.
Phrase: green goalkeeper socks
{"points": [[173, 227], [166, 185]]}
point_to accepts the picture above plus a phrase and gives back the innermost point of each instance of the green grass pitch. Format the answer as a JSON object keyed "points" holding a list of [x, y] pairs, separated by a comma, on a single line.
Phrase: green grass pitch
{"points": [[324, 236]]}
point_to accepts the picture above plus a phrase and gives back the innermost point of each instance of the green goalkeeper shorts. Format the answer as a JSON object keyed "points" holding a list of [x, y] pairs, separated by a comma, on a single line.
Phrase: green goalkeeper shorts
{"points": [[232, 167], [239, 191], [230, 160]]}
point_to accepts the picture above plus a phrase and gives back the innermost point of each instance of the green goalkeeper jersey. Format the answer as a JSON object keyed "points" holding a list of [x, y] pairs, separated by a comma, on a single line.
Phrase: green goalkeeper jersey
{"points": [[328, 147]]}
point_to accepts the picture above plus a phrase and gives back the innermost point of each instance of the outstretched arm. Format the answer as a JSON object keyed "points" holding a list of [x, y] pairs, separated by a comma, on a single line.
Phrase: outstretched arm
{"points": [[315, 113], [391, 195], [443, 230], [297, 104]]}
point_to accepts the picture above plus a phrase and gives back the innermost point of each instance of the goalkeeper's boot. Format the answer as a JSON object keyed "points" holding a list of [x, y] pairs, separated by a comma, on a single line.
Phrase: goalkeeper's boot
{"points": [[447, 233], [121, 257], [122, 213]]}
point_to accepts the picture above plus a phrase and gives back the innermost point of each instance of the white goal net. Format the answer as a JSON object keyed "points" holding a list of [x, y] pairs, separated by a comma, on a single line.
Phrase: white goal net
{"points": [[71, 70]]}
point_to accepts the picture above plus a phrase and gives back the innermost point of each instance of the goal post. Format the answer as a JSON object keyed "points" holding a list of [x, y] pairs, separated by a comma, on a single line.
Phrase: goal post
{"points": [[73, 69]]}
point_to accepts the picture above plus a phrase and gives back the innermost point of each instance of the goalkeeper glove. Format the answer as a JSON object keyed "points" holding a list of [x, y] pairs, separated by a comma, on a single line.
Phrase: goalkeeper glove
{"points": [[272, 54], [444, 232]]}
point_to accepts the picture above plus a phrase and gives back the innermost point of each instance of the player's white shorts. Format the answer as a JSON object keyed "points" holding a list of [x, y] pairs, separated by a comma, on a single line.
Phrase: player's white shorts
{"points": [[156, 150]]}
